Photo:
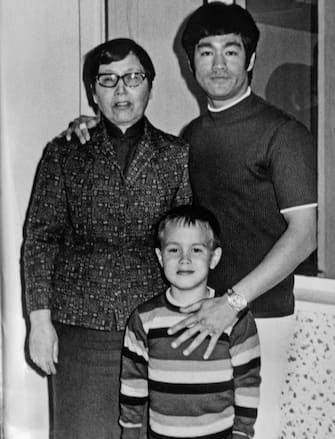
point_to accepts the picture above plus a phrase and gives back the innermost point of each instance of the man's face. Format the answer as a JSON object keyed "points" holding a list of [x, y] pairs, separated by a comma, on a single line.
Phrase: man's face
{"points": [[123, 105], [220, 68]]}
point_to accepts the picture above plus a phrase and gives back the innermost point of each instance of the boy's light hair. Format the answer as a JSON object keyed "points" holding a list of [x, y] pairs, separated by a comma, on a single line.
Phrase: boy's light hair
{"points": [[190, 215]]}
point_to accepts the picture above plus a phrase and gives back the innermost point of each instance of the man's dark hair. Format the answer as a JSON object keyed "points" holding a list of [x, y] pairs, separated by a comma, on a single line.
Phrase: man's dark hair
{"points": [[190, 215], [217, 18], [110, 51]]}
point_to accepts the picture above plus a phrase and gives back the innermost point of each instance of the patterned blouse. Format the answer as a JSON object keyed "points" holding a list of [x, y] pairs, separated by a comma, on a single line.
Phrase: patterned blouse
{"points": [[89, 233]]}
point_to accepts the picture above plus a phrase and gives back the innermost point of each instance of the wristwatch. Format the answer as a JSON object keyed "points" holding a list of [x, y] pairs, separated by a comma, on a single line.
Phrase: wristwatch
{"points": [[236, 301]]}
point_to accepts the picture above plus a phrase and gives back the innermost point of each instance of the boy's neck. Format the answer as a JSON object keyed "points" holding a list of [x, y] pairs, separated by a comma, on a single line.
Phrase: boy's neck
{"points": [[188, 297]]}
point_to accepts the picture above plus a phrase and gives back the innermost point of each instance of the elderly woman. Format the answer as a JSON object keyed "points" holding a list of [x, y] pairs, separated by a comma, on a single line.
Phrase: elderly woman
{"points": [[89, 235]]}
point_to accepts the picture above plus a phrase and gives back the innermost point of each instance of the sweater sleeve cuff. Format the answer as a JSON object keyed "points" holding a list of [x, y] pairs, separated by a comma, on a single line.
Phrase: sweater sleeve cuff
{"points": [[130, 433], [240, 435]]}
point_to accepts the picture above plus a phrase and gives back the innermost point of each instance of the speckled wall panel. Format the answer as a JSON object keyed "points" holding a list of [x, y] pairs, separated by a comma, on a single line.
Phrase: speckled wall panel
{"points": [[308, 400]]}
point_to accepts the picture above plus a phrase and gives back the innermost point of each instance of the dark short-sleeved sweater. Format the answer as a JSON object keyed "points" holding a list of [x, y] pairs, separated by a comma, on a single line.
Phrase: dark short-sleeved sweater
{"points": [[247, 163]]}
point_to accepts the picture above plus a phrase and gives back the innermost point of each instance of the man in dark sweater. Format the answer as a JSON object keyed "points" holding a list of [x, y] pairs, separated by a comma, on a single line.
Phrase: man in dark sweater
{"points": [[254, 167]]}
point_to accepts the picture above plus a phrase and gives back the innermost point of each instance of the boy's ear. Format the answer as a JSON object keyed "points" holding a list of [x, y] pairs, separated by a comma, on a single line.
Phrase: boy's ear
{"points": [[216, 256], [159, 256]]}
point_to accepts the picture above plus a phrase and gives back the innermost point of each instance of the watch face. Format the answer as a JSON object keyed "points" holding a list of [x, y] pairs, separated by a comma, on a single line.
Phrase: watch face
{"points": [[237, 302]]}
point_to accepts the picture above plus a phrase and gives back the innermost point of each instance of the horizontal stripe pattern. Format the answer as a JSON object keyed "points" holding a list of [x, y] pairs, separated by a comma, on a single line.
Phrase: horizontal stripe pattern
{"points": [[137, 388], [129, 425], [249, 350], [182, 426], [247, 397], [190, 389], [196, 421], [226, 434], [189, 397], [190, 371], [134, 344]]}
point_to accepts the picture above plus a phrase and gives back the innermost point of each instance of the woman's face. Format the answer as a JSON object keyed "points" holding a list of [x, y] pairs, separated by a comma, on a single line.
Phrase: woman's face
{"points": [[123, 105]]}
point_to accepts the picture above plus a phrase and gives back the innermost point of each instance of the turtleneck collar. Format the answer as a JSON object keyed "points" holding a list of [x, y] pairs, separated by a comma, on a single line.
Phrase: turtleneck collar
{"points": [[232, 104], [114, 131], [231, 114]]}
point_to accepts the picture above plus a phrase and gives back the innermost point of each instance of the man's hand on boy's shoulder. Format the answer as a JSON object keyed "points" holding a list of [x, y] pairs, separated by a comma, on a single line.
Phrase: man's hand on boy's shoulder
{"points": [[80, 127], [208, 317]]}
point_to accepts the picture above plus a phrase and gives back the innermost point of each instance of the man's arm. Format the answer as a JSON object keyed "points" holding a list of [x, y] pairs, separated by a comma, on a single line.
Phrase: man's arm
{"points": [[213, 316]]}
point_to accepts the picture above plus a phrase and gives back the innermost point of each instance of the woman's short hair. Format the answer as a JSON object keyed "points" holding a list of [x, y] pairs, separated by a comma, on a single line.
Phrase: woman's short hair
{"points": [[217, 18], [113, 50]]}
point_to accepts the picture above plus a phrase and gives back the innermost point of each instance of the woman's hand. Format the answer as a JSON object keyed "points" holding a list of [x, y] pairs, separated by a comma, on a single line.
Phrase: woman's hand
{"points": [[43, 341], [80, 127], [208, 317]]}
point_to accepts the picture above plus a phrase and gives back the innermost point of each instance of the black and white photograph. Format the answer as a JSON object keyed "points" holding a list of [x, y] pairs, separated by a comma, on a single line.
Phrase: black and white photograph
{"points": [[167, 265]]}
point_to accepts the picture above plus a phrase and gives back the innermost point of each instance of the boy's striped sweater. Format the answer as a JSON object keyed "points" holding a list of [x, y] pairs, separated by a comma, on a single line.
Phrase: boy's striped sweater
{"points": [[189, 397]]}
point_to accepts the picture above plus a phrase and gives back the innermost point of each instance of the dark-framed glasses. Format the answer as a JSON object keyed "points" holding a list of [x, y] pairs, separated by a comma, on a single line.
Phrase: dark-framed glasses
{"points": [[110, 80]]}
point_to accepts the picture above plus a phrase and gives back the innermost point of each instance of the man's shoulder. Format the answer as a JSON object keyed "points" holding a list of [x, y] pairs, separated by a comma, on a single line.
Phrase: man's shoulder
{"points": [[194, 126], [269, 112]]}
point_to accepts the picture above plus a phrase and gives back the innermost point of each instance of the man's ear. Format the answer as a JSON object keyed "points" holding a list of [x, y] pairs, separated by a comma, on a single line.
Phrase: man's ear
{"points": [[251, 62], [190, 65], [159, 256], [216, 256]]}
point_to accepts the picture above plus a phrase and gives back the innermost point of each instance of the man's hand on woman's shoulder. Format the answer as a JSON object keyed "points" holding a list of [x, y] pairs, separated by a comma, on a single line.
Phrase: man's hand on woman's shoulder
{"points": [[80, 127]]}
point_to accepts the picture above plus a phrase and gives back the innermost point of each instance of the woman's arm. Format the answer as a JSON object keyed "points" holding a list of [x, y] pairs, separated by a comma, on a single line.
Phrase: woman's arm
{"points": [[43, 341], [45, 222]]}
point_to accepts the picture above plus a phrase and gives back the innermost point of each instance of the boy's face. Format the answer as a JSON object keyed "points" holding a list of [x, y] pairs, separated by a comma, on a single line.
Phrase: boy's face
{"points": [[187, 255], [220, 68]]}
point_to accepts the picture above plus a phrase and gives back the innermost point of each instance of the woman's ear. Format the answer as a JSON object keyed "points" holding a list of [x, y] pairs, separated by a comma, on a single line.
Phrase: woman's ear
{"points": [[215, 258]]}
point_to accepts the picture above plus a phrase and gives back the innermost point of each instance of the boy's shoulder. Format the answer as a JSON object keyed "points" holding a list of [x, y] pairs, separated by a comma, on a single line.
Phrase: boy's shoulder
{"points": [[245, 326], [155, 302]]}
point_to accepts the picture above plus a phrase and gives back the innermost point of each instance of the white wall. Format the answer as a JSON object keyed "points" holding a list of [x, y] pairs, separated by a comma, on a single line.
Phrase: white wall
{"points": [[154, 24], [41, 46]]}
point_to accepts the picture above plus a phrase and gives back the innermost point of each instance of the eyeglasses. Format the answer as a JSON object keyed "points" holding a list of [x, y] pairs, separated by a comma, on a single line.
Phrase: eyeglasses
{"points": [[110, 80]]}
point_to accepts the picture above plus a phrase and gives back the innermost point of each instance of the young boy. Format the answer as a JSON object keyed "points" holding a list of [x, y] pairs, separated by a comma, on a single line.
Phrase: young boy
{"points": [[188, 397]]}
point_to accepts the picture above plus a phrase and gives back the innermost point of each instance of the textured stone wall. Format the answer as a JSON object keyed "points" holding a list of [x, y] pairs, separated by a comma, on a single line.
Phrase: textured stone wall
{"points": [[308, 400]]}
